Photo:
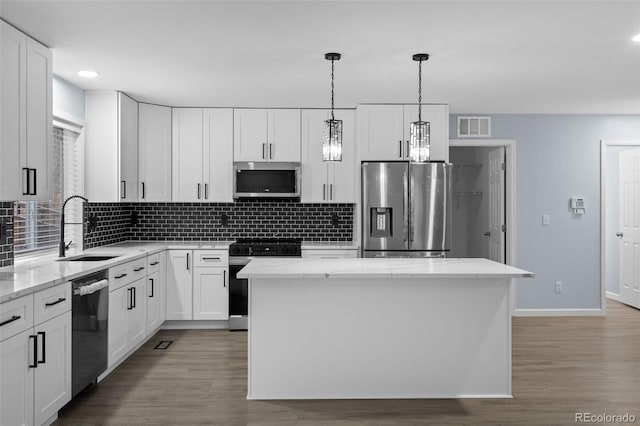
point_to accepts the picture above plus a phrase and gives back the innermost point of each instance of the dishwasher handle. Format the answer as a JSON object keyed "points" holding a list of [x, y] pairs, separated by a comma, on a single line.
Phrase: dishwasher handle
{"points": [[85, 290]]}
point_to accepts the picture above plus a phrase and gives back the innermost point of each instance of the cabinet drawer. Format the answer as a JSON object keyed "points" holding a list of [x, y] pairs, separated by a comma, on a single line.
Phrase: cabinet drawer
{"points": [[51, 302], [16, 316], [154, 262], [138, 269], [210, 258]]}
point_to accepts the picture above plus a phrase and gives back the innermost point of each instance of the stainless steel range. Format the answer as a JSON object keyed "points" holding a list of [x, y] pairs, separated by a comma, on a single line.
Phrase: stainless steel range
{"points": [[240, 254]]}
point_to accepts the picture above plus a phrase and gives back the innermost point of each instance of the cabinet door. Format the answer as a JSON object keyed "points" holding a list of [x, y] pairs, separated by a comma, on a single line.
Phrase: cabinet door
{"points": [[39, 120], [250, 135], [128, 137], [119, 302], [137, 315], [313, 169], [179, 285], [52, 386], [154, 156], [341, 176], [438, 118], [210, 294], [13, 122], [16, 386], [218, 154], [283, 135], [154, 302], [380, 132], [187, 154]]}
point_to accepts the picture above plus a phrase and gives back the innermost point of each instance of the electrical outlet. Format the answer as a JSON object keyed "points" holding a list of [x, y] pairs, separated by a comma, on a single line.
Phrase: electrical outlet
{"points": [[3, 232], [224, 219], [558, 286], [334, 219]]}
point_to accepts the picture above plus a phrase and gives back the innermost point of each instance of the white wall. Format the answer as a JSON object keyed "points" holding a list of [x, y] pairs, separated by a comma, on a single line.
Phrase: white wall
{"points": [[558, 156], [67, 99]]}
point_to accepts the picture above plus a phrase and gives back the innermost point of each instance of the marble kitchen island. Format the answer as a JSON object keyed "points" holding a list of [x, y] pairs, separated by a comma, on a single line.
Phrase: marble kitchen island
{"points": [[379, 328]]}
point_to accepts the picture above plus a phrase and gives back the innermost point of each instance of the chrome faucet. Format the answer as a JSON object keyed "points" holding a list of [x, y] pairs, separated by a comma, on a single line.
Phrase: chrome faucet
{"points": [[63, 247]]}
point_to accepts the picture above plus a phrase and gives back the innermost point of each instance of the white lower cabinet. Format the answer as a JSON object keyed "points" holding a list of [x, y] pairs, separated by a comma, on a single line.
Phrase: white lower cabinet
{"points": [[197, 285], [155, 294], [35, 359], [127, 319]]}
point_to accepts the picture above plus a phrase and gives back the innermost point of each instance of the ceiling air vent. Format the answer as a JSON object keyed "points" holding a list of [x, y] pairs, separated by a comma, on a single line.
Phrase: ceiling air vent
{"points": [[474, 127]]}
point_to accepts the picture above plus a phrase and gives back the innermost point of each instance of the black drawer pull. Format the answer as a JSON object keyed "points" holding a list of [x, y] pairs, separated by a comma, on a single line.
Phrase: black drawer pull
{"points": [[120, 276], [44, 347], [62, 299], [154, 263], [210, 258], [138, 269], [35, 351], [12, 319]]}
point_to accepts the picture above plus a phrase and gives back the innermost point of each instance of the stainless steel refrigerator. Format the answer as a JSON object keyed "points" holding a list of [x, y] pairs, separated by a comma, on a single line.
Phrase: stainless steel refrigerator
{"points": [[406, 209]]}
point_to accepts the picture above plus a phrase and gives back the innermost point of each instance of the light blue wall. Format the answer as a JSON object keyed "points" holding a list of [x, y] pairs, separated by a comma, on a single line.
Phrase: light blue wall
{"points": [[67, 99], [557, 157]]}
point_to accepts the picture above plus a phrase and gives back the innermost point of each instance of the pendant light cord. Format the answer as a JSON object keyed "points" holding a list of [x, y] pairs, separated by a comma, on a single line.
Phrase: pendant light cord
{"points": [[332, 76], [420, 90]]}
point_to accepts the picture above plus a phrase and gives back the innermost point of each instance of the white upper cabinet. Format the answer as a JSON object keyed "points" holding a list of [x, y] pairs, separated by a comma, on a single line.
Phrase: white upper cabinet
{"points": [[202, 154], [26, 147], [327, 182], [154, 152], [266, 135], [111, 147], [383, 131]]}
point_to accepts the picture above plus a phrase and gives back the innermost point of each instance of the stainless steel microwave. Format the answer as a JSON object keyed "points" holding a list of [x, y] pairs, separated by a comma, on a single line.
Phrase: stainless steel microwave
{"points": [[266, 180]]}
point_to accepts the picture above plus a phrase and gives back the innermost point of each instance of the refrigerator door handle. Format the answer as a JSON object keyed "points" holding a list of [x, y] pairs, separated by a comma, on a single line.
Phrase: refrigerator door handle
{"points": [[406, 207]]}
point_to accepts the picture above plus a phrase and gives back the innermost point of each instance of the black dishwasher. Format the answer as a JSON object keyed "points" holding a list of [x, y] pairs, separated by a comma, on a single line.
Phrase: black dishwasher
{"points": [[89, 333]]}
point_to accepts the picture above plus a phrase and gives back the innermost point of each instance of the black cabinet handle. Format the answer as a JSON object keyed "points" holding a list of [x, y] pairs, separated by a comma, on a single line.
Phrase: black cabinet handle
{"points": [[187, 261], [129, 300], [138, 269], [35, 181], [224, 278], [120, 276], [124, 189], [44, 347], [35, 351], [25, 181], [211, 258], [143, 190], [62, 299], [133, 291], [400, 150], [151, 279], [154, 263], [12, 319], [206, 191], [198, 191]]}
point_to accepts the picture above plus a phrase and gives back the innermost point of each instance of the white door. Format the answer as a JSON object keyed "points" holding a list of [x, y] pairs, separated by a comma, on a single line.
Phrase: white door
{"points": [[283, 135], [128, 134], [16, 386], [217, 154], [496, 231], [341, 176], [314, 170], [250, 135], [52, 386], [629, 173], [210, 294], [154, 144], [381, 133], [119, 302], [179, 285], [187, 154], [137, 315]]}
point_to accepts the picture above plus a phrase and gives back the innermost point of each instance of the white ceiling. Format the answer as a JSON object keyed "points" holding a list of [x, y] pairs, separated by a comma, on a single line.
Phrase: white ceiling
{"points": [[501, 56]]}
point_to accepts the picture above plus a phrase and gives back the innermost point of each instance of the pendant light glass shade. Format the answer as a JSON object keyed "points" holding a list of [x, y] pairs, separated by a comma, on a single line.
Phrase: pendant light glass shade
{"points": [[332, 143], [420, 142]]}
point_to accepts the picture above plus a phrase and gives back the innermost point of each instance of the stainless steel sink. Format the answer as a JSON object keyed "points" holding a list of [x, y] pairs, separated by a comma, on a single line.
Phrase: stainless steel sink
{"points": [[87, 258]]}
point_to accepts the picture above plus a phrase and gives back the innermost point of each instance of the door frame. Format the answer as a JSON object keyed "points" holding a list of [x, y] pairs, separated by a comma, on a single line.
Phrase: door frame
{"points": [[510, 180], [604, 144]]}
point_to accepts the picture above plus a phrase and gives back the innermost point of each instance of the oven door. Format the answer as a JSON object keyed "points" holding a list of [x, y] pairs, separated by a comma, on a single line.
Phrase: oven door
{"points": [[238, 296]]}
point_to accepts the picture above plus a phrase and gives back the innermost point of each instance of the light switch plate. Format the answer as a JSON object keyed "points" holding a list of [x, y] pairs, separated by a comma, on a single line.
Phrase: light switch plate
{"points": [[546, 219]]}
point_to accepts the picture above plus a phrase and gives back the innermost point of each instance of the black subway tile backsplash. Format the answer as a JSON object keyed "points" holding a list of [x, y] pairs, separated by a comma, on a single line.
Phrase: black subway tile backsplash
{"points": [[6, 234], [203, 221]]}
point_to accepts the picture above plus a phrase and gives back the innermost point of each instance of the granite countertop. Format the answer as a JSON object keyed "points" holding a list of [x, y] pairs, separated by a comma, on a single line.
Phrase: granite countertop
{"points": [[334, 245], [380, 268]]}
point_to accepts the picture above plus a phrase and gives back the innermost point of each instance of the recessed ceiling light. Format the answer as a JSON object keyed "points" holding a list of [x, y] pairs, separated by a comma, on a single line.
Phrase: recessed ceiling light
{"points": [[636, 38], [88, 74]]}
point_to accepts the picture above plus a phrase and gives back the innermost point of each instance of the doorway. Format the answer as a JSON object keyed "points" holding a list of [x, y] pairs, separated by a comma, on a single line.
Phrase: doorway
{"points": [[483, 182], [620, 227]]}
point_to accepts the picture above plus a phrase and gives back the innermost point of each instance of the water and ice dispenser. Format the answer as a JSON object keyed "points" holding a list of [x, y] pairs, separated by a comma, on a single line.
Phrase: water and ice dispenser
{"points": [[380, 223]]}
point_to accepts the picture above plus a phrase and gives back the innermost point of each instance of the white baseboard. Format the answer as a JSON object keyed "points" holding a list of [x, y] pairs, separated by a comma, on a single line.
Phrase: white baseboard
{"points": [[194, 325], [614, 296], [585, 312]]}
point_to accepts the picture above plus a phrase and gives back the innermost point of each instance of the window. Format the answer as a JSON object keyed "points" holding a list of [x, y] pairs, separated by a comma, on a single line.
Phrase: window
{"points": [[36, 224]]}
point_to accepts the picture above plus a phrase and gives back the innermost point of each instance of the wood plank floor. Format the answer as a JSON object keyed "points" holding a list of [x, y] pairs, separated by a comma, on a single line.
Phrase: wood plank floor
{"points": [[560, 366]]}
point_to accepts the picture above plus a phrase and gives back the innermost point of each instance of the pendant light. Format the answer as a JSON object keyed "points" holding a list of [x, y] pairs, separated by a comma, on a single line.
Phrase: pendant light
{"points": [[332, 144], [420, 130]]}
